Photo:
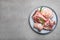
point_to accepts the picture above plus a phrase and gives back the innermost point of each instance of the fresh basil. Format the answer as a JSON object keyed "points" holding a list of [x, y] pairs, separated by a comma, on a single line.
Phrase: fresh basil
{"points": [[40, 9], [41, 20]]}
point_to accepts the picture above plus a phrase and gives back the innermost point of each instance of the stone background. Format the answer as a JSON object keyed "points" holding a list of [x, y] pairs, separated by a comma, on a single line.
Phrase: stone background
{"points": [[14, 19]]}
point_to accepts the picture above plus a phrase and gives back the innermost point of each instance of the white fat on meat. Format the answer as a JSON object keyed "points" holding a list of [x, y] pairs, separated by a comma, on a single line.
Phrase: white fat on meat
{"points": [[38, 26]]}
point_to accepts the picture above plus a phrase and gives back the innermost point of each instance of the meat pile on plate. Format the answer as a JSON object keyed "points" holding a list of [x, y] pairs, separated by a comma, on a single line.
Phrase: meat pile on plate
{"points": [[43, 19]]}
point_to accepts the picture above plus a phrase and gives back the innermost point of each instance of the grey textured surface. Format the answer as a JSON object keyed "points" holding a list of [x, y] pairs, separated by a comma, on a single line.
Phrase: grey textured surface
{"points": [[14, 19]]}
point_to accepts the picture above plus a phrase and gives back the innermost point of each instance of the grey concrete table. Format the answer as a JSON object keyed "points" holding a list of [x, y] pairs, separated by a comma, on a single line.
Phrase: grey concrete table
{"points": [[14, 19]]}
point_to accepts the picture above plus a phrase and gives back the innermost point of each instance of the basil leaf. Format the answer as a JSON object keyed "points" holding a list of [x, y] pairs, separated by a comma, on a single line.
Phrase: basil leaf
{"points": [[41, 9], [42, 20]]}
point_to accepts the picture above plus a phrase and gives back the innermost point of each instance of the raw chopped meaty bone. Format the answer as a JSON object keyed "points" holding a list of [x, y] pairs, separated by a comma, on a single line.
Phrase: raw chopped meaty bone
{"points": [[38, 15], [48, 25], [47, 12], [38, 26]]}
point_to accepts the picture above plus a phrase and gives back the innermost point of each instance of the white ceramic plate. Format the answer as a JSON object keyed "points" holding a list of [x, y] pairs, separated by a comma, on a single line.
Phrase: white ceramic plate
{"points": [[31, 22]]}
